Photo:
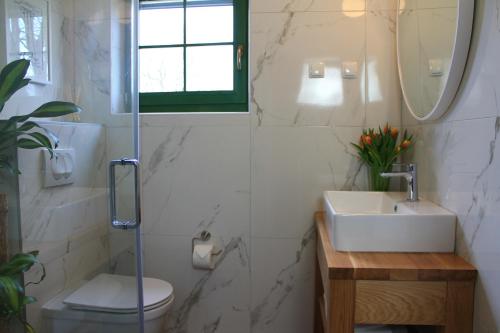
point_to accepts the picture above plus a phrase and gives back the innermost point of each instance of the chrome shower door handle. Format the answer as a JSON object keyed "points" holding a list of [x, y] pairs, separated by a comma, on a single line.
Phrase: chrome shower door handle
{"points": [[115, 222]]}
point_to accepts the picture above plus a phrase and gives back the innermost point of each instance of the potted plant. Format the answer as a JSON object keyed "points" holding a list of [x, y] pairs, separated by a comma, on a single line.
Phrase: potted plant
{"points": [[12, 297], [379, 150], [20, 132]]}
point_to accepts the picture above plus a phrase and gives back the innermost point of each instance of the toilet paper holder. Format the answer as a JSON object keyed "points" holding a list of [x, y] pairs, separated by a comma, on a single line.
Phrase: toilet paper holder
{"points": [[205, 236]]}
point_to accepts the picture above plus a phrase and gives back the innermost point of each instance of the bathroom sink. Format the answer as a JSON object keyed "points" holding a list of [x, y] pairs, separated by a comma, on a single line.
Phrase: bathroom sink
{"points": [[386, 222]]}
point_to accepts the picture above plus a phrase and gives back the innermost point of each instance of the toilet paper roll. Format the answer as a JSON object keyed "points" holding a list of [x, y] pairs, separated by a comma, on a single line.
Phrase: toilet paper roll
{"points": [[203, 257]]}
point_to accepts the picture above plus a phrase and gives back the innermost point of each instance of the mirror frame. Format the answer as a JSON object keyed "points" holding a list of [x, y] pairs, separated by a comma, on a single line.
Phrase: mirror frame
{"points": [[460, 53]]}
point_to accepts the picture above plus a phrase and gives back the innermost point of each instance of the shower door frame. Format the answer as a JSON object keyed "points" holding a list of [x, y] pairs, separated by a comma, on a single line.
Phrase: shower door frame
{"points": [[137, 152], [134, 161]]}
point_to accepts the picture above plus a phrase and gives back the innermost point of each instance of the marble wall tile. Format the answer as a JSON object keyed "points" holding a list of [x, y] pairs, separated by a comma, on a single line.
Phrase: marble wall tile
{"points": [[284, 45], [383, 92], [205, 119], [382, 5], [92, 10], [282, 300], [254, 187], [92, 68], [101, 71], [34, 95], [347, 6], [67, 224], [458, 157], [295, 165], [40, 205], [301, 149], [85, 254], [442, 144], [427, 4], [205, 301], [195, 179], [459, 175], [172, 153]]}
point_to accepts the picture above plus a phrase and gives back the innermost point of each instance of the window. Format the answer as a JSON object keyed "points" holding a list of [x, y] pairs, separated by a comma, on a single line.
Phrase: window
{"points": [[193, 55]]}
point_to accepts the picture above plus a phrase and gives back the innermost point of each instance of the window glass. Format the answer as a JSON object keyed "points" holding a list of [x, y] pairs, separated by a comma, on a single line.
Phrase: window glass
{"points": [[161, 26], [209, 68], [162, 70], [212, 24]]}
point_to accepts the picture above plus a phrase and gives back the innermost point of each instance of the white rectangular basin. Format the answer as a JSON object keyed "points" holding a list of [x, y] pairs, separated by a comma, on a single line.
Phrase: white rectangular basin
{"points": [[386, 222]]}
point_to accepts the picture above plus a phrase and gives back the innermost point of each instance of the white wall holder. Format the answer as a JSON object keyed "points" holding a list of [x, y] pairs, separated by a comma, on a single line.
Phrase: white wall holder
{"points": [[205, 253], [59, 169]]}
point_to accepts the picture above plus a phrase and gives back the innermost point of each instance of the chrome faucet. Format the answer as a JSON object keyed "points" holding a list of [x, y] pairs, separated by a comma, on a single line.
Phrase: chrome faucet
{"points": [[411, 177]]}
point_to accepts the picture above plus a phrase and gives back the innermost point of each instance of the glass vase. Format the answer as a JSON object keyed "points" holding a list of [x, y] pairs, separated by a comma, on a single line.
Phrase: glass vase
{"points": [[377, 182]]}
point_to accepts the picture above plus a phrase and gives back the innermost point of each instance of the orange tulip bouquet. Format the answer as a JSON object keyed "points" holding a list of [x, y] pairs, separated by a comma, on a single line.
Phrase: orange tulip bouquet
{"points": [[380, 150]]}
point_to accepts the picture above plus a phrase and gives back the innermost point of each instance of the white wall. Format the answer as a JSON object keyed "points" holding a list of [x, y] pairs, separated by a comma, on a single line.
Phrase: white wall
{"points": [[69, 224], [255, 180], [32, 96], [458, 160]]}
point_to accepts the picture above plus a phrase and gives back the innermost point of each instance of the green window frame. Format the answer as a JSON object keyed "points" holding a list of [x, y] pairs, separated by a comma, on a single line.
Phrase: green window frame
{"points": [[206, 101]]}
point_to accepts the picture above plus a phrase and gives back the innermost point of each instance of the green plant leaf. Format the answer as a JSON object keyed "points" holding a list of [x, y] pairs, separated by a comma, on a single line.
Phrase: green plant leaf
{"points": [[12, 79], [12, 298], [26, 143], [55, 109], [29, 125], [19, 263], [41, 138], [29, 300], [5, 164], [49, 110], [27, 327], [48, 139], [40, 141], [10, 291]]}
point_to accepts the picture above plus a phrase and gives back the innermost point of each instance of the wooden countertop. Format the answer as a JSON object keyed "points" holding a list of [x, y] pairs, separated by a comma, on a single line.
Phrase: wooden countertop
{"points": [[390, 266]]}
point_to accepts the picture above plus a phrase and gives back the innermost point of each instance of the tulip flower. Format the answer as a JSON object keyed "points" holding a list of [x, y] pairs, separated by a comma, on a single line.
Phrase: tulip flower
{"points": [[405, 144], [386, 128], [380, 150], [394, 133]]}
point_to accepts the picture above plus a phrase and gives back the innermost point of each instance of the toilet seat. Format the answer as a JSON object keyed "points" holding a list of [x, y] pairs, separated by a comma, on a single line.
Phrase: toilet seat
{"points": [[118, 294]]}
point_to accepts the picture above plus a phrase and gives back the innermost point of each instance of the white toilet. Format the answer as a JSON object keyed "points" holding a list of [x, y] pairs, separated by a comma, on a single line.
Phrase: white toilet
{"points": [[108, 304]]}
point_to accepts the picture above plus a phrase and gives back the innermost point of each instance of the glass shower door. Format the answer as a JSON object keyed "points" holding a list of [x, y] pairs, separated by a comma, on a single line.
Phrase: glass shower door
{"points": [[85, 219]]}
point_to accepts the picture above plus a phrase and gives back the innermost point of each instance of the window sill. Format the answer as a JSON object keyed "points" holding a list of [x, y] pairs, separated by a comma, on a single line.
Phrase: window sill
{"points": [[195, 119]]}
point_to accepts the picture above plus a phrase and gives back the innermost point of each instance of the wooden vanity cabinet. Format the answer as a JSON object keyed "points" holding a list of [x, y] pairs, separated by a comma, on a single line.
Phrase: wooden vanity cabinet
{"points": [[431, 289]]}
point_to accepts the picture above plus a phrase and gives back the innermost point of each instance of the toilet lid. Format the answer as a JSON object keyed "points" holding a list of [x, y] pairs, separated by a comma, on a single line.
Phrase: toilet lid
{"points": [[118, 294]]}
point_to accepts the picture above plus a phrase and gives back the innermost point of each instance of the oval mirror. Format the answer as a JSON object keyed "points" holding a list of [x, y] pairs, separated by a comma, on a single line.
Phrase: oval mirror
{"points": [[433, 38]]}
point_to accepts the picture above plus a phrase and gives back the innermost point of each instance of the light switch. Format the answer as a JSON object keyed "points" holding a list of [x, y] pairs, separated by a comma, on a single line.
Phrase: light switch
{"points": [[317, 70], [350, 69], [436, 67]]}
